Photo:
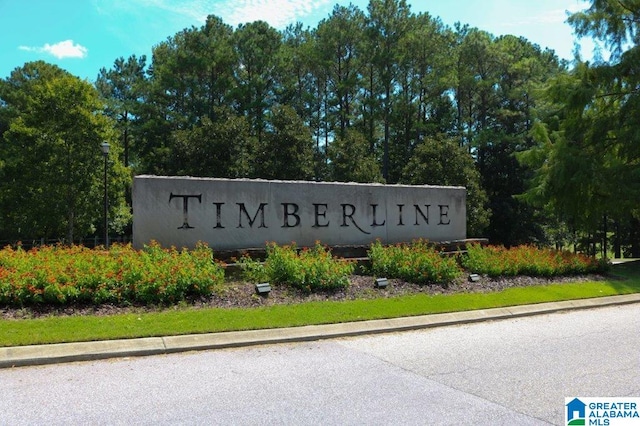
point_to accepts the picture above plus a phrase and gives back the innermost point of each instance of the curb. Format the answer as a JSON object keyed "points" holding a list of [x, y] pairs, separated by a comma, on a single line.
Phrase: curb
{"points": [[19, 356]]}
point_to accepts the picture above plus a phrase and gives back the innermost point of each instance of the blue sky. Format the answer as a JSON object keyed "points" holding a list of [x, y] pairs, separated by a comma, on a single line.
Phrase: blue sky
{"points": [[82, 36]]}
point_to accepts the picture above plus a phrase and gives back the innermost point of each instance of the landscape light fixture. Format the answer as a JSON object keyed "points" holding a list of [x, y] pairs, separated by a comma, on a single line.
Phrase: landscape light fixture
{"points": [[104, 146], [381, 282], [263, 289], [474, 277]]}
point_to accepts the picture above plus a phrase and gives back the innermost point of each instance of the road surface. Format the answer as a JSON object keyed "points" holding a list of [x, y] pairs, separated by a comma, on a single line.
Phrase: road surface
{"points": [[508, 372]]}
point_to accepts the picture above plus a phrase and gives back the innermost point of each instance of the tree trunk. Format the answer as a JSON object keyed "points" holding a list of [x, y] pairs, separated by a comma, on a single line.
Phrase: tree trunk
{"points": [[604, 238], [634, 237], [617, 250], [125, 138], [70, 227]]}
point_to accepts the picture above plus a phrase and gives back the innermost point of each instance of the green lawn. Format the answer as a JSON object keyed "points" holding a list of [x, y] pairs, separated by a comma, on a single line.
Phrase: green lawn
{"points": [[625, 279]]}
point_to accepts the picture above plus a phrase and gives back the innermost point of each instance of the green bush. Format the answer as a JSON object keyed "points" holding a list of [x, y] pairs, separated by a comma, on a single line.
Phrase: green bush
{"points": [[528, 260], [417, 262], [310, 270], [61, 276], [65, 275]]}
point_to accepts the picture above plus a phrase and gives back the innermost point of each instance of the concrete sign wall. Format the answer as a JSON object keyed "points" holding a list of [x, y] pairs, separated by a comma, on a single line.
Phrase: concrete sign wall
{"points": [[239, 214]]}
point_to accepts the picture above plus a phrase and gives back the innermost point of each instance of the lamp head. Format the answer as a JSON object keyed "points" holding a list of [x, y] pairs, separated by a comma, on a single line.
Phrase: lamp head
{"points": [[104, 146]]}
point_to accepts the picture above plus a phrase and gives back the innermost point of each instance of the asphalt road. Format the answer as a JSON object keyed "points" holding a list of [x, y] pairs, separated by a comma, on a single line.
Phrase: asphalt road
{"points": [[508, 372]]}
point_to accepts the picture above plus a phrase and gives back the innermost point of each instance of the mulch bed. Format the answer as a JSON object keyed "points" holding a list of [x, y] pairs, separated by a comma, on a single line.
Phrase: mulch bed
{"points": [[242, 295]]}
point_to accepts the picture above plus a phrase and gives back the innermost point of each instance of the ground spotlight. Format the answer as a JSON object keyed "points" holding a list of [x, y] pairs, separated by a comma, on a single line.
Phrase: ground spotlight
{"points": [[381, 282], [263, 289]]}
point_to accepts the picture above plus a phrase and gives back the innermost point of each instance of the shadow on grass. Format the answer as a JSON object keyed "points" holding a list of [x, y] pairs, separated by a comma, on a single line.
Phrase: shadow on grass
{"points": [[625, 276]]}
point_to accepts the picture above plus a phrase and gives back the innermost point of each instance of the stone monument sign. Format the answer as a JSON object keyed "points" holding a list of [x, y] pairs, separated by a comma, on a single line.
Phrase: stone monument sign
{"points": [[233, 214]]}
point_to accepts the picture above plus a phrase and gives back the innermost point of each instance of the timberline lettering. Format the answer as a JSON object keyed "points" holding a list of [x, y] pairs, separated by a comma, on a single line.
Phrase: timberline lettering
{"points": [[419, 211], [287, 214], [375, 223], [345, 216], [242, 209], [320, 214], [218, 215], [400, 206], [444, 213], [292, 218], [185, 208]]}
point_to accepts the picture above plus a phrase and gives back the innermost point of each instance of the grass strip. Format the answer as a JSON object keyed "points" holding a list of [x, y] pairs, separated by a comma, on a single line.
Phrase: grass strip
{"points": [[190, 321]]}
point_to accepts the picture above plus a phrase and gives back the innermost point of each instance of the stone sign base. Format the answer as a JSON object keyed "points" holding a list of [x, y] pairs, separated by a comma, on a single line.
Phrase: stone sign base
{"points": [[231, 214]]}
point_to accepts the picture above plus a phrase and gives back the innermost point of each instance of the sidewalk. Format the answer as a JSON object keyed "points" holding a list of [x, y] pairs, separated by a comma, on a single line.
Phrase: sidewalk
{"points": [[70, 352]]}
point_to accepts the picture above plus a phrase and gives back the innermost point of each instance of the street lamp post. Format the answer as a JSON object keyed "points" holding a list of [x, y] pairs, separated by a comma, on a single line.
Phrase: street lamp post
{"points": [[105, 153]]}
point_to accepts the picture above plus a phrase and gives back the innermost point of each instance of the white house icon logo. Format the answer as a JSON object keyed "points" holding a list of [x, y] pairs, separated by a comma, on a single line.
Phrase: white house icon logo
{"points": [[576, 412]]}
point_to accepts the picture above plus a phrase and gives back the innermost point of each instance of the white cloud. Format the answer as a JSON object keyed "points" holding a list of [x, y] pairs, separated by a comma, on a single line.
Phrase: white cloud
{"points": [[554, 16], [278, 13], [61, 50], [551, 17]]}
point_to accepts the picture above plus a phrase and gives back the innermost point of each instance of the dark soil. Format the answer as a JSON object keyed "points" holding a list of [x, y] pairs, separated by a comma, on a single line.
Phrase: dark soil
{"points": [[243, 295]]}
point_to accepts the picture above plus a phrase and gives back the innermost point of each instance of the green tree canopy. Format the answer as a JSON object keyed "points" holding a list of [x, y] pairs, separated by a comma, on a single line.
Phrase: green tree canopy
{"points": [[351, 161], [221, 148], [442, 161], [384, 73], [588, 155], [287, 149], [50, 184], [124, 88]]}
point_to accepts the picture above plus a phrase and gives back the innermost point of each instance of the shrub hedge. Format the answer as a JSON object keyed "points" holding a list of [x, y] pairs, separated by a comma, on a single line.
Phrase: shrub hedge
{"points": [[65, 275], [417, 262], [308, 269], [528, 260]]}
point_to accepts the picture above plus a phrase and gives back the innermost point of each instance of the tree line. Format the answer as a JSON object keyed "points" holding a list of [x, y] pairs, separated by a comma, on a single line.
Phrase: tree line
{"points": [[548, 151]]}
